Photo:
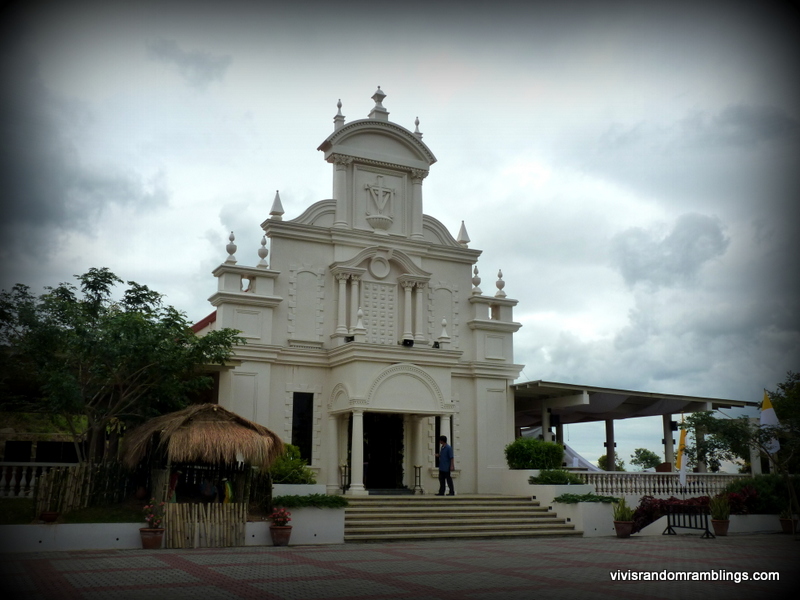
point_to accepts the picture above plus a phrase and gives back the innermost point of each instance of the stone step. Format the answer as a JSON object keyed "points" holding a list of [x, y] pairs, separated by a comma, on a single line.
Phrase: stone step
{"points": [[431, 517], [485, 514], [455, 534], [461, 523]]}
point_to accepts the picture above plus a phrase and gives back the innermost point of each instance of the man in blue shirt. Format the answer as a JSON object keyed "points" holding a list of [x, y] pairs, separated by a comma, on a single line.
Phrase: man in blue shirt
{"points": [[446, 465]]}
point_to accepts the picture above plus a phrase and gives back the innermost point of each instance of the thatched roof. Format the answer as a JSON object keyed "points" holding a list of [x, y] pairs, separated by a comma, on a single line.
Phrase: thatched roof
{"points": [[205, 433]]}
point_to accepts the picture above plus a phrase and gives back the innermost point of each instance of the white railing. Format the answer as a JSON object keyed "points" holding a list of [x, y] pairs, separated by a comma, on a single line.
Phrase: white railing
{"points": [[18, 479], [659, 485]]}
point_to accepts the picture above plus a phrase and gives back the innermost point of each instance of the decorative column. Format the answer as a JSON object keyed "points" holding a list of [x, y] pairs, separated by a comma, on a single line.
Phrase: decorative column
{"points": [[444, 429], [669, 443], [357, 456], [407, 335], [340, 163], [341, 326], [611, 455], [334, 482], [417, 175], [355, 302], [419, 334], [420, 457]]}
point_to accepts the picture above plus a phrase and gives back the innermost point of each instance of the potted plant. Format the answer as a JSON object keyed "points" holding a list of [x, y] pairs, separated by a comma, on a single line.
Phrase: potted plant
{"points": [[788, 524], [623, 519], [152, 535], [280, 530], [720, 508]]}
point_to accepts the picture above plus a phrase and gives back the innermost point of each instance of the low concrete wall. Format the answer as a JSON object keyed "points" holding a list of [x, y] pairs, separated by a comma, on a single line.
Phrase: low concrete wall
{"points": [[298, 489], [596, 519], [309, 526], [70, 536]]}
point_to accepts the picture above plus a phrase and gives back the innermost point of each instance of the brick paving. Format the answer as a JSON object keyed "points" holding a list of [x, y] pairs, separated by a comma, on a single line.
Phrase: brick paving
{"points": [[547, 568]]}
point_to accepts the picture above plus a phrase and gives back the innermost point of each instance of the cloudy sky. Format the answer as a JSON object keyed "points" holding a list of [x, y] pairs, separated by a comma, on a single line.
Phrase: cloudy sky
{"points": [[631, 167]]}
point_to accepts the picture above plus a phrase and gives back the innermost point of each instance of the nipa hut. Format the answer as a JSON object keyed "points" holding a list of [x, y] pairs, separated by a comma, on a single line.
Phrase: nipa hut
{"points": [[203, 452]]}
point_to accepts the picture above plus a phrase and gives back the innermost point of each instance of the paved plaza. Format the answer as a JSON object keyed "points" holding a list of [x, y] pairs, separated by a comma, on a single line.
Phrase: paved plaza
{"points": [[557, 568]]}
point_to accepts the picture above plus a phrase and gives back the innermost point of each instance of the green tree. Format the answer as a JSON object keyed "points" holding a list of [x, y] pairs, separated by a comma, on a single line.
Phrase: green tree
{"points": [[603, 461], [732, 439], [645, 459], [100, 362]]}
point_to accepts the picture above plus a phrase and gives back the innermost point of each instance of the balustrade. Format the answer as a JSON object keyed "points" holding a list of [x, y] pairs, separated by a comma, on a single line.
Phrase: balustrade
{"points": [[659, 485], [18, 479]]}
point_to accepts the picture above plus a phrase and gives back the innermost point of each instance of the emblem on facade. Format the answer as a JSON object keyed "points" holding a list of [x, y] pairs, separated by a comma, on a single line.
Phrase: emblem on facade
{"points": [[381, 197]]}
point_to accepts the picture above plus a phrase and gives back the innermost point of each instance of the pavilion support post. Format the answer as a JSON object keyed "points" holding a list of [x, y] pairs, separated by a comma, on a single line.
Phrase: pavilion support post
{"points": [[560, 433], [357, 456], [611, 455], [669, 443], [546, 436]]}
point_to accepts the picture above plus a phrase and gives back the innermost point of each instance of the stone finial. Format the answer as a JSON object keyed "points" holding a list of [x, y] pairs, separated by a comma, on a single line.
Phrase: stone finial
{"points": [[476, 281], [463, 237], [338, 120], [231, 249], [276, 214], [262, 253], [444, 339], [359, 331], [500, 285], [378, 112], [417, 132]]}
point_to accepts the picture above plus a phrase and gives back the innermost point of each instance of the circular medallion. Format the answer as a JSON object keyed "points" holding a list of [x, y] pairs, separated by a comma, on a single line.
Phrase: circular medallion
{"points": [[379, 267]]}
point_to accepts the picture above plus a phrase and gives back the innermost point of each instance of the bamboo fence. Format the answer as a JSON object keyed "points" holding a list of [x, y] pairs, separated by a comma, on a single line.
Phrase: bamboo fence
{"points": [[212, 525], [63, 489]]}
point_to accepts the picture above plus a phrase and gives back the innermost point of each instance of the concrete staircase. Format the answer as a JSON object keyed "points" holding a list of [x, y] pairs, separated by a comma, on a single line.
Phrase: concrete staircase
{"points": [[388, 518]]}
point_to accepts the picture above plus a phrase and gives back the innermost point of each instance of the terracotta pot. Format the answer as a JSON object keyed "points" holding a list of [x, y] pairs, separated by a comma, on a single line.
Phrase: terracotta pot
{"points": [[49, 516], [280, 534], [720, 526], [151, 538], [789, 525], [623, 528]]}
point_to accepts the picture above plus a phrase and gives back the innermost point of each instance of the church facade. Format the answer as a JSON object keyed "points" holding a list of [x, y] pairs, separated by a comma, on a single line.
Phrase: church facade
{"points": [[368, 334]]}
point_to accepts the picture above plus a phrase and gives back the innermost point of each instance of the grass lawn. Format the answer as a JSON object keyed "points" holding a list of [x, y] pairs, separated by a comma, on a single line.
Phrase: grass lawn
{"points": [[16, 511], [129, 511]]}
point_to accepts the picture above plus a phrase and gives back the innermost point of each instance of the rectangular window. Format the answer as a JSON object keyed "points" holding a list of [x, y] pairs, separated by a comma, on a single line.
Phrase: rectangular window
{"points": [[302, 423]]}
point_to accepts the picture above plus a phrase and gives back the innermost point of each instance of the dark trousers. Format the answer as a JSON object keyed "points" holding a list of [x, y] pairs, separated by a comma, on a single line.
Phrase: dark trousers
{"points": [[444, 477]]}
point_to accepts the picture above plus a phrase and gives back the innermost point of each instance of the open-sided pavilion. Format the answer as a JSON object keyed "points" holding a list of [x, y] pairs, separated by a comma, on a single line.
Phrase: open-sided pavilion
{"points": [[549, 404]]}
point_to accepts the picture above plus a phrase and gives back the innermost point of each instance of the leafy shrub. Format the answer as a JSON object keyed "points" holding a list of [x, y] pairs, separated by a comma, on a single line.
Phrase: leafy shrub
{"points": [[530, 453], [762, 494], [623, 512], [291, 468], [720, 507], [575, 498], [651, 509], [556, 477], [310, 501]]}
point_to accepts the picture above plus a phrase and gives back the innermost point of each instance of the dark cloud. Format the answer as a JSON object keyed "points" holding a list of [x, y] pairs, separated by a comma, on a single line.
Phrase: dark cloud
{"points": [[643, 256], [46, 185], [198, 68], [739, 125]]}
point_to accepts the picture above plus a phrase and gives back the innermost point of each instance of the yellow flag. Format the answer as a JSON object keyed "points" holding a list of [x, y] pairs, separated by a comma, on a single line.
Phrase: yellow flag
{"points": [[681, 447], [769, 419]]}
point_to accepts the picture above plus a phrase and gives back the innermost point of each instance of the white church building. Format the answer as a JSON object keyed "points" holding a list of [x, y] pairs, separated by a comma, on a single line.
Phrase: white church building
{"points": [[368, 334]]}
